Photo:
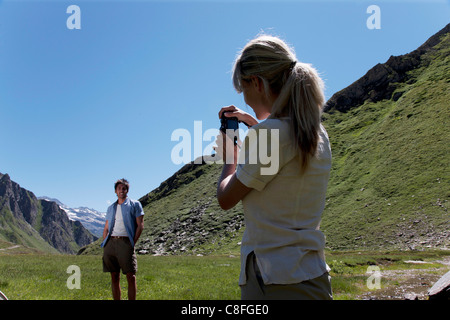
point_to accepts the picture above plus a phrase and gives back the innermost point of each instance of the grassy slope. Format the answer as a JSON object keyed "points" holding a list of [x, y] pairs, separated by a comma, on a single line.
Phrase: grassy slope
{"points": [[389, 184], [20, 232], [210, 229]]}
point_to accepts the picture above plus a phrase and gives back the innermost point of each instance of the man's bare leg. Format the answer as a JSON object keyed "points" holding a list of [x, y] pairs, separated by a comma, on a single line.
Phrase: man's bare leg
{"points": [[115, 285], [132, 288]]}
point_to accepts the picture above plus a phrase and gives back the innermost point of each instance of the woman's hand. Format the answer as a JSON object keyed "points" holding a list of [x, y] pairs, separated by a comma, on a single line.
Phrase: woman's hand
{"points": [[226, 149], [232, 111], [229, 189]]}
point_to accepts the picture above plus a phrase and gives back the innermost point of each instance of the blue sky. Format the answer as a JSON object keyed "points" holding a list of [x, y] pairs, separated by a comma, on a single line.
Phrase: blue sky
{"points": [[81, 108]]}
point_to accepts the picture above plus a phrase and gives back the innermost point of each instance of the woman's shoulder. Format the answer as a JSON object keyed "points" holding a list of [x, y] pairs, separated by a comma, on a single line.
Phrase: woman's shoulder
{"points": [[279, 123], [275, 128]]}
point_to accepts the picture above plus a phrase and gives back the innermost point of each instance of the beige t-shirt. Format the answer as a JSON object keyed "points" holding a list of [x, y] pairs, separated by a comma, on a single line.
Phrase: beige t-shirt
{"points": [[282, 214]]}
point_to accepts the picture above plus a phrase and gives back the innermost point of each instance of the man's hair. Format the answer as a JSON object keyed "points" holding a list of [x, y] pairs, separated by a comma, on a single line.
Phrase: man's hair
{"points": [[122, 181]]}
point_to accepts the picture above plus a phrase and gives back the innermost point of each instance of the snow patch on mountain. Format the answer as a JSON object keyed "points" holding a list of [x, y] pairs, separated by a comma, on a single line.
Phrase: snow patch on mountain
{"points": [[91, 219]]}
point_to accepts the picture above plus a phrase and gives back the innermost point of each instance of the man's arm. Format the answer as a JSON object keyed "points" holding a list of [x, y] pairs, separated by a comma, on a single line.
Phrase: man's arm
{"points": [[140, 227], [105, 230]]}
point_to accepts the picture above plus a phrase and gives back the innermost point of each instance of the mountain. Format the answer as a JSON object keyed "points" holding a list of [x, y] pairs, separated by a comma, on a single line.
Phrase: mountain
{"points": [[91, 219], [40, 224], [386, 81], [389, 184]]}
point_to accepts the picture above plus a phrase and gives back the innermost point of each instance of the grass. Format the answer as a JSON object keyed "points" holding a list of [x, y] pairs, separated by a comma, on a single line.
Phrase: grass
{"points": [[44, 277]]}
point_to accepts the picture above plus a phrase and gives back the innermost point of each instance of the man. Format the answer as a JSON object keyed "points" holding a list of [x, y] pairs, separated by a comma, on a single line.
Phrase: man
{"points": [[123, 227]]}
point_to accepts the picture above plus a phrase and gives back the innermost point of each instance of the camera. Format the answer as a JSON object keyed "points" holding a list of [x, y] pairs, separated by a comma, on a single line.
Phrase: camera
{"points": [[230, 123]]}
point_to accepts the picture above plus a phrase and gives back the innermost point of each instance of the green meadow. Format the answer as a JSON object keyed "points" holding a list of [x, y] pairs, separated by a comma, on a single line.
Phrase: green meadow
{"points": [[34, 276], [44, 277]]}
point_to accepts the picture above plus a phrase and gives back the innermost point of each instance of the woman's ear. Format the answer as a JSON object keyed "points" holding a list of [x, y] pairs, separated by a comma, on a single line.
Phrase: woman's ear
{"points": [[258, 84]]}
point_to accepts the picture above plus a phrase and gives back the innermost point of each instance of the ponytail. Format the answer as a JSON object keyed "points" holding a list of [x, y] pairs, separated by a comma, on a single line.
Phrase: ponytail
{"points": [[298, 86], [302, 99]]}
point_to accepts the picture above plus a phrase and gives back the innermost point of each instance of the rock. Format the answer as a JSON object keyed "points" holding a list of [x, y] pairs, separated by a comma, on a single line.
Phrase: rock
{"points": [[441, 289], [415, 261], [185, 233], [411, 296], [2, 296]]}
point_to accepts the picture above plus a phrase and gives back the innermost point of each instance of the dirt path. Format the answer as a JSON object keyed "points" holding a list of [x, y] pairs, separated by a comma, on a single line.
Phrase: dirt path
{"points": [[409, 284]]}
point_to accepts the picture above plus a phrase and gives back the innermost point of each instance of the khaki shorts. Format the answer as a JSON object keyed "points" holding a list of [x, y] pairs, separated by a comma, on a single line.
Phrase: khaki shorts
{"points": [[118, 253], [315, 289]]}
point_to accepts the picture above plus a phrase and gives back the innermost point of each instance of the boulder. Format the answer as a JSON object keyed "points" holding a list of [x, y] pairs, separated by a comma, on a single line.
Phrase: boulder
{"points": [[2, 296], [441, 289]]}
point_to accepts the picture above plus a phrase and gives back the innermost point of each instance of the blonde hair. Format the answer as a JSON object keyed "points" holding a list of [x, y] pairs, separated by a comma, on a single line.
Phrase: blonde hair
{"points": [[298, 88]]}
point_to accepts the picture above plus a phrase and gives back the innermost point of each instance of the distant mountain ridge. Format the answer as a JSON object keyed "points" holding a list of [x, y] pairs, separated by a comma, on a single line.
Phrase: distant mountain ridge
{"points": [[91, 219], [40, 224]]}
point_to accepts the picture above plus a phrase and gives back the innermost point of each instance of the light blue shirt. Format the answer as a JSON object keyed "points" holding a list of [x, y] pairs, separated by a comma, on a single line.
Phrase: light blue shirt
{"points": [[131, 209]]}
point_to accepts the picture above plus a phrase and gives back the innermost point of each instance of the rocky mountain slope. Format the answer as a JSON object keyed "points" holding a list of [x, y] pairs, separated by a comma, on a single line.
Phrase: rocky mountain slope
{"points": [[35, 223], [382, 81], [389, 185]]}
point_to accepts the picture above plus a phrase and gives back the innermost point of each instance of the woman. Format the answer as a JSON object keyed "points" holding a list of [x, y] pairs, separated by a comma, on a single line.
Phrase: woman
{"points": [[282, 250]]}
